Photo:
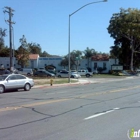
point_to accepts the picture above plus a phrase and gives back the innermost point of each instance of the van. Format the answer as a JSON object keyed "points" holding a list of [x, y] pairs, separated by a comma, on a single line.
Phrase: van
{"points": [[25, 71]]}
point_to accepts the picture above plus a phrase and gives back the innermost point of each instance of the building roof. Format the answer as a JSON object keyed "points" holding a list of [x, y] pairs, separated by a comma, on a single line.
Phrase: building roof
{"points": [[100, 57], [33, 56]]}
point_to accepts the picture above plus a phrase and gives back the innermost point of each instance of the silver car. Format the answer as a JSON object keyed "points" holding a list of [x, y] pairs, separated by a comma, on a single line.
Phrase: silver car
{"points": [[65, 74], [15, 81]]}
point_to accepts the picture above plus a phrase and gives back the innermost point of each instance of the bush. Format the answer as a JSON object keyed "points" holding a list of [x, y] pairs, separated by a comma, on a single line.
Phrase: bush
{"points": [[100, 69], [89, 69]]}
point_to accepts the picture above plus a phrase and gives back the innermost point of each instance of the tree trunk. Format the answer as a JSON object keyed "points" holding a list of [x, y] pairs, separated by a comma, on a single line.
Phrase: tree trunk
{"points": [[131, 63]]}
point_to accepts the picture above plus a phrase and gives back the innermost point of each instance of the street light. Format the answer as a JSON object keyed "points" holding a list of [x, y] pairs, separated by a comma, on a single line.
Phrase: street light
{"points": [[69, 31]]}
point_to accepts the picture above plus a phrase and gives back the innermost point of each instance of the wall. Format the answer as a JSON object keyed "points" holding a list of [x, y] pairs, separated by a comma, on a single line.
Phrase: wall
{"points": [[55, 61], [6, 62]]}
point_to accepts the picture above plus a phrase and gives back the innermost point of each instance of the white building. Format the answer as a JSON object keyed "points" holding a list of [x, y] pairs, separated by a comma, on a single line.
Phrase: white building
{"points": [[40, 62], [45, 61]]}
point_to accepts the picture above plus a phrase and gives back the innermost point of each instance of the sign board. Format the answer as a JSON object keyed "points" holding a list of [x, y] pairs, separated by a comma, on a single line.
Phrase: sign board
{"points": [[119, 67]]}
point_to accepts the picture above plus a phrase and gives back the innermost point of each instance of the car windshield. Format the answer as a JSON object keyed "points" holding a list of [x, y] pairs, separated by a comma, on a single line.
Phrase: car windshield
{"points": [[2, 77]]}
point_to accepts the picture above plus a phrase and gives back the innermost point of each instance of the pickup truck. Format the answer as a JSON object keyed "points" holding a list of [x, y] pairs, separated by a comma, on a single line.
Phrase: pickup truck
{"points": [[85, 73]]}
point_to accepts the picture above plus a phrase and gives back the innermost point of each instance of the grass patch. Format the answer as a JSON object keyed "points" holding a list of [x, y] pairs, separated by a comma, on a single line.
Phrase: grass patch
{"points": [[55, 81], [107, 76]]}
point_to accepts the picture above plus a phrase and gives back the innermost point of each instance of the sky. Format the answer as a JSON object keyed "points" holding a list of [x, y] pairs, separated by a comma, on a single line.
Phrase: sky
{"points": [[46, 22]]}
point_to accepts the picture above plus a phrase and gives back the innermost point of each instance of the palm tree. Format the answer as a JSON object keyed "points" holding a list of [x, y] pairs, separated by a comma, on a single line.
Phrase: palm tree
{"points": [[89, 53], [76, 56]]}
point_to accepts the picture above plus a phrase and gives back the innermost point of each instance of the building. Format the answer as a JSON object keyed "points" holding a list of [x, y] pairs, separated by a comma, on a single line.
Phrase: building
{"points": [[103, 61], [34, 62], [40, 62]]}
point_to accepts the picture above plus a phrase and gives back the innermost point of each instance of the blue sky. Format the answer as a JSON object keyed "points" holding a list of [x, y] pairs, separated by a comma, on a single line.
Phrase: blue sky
{"points": [[46, 22]]}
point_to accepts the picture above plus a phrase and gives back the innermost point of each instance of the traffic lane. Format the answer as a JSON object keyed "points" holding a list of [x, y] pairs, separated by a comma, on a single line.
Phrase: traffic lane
{"points": [[112, 126], [64, 117], [35, 95], [62, 123]]}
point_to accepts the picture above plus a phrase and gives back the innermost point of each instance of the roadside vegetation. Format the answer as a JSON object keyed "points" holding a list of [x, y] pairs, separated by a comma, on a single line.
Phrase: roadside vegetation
{"points": [[43, 81]]}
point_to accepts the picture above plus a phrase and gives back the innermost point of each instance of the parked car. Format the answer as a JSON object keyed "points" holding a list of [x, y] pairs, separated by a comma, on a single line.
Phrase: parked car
{"points": [[73, 71], [25, 71], [65, 74], [41, 69], [15, 81], [52, 71], [6, 71], [85, 73], [75, 75], [44, 73]]}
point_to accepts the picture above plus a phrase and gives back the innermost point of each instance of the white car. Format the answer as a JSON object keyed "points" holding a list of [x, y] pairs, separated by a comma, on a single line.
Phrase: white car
{"points": [[85, 73], [15, 82], [25, 71], [65, 74]]}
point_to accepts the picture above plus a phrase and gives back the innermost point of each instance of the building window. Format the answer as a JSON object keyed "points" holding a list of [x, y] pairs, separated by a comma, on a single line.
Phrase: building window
{"points": [[95, 66], [104, 65]]}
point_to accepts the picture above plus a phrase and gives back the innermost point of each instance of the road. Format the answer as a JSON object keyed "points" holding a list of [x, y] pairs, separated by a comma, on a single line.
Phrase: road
{"points": [[96, 111]]}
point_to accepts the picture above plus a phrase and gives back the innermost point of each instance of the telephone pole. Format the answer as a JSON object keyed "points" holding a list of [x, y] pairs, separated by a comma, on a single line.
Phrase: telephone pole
{"points": [[10, 11]]}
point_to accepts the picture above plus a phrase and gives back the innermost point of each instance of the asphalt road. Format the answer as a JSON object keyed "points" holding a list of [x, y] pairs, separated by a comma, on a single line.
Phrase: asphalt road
{"points": [[97, 111]]}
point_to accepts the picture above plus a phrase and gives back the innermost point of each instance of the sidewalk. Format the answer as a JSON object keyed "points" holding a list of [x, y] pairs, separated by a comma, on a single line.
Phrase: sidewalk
{"points": [[80, 82], [83, 81]]}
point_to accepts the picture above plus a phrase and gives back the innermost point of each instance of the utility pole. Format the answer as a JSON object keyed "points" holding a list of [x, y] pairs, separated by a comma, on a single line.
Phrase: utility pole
{"points": [[10, 11]]}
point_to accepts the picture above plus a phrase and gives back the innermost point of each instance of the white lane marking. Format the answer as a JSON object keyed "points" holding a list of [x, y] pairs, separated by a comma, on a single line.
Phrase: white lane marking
{"points": [[116, 108], [100, 114]]}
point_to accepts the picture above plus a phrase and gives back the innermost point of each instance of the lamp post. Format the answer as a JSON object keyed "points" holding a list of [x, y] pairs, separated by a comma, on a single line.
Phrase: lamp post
{"points": [[69, 32]]}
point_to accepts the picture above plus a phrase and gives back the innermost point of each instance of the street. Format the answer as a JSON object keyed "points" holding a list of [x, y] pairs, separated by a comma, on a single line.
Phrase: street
{"points": [[95, 111]]}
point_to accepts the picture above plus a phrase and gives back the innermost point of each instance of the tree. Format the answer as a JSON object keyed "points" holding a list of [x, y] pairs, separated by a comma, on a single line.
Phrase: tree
{"points": [[127, 24], [76, 57], [115, 52], [64, 62], [45, 54], [89, 53], [73, 55], [5, 52], [76, 53], [23, 53], [2, 35], [34, 48], [124, 55]]}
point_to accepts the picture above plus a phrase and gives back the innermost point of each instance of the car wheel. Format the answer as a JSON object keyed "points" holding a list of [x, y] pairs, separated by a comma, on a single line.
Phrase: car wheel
{"points": [[48, 76], [87, 75], [28, 74], [72, 76], [59, 76], [27, 87], [2, 89]]}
